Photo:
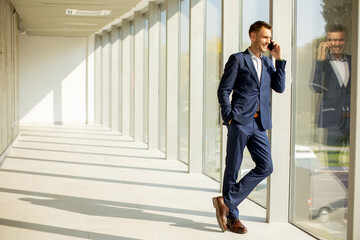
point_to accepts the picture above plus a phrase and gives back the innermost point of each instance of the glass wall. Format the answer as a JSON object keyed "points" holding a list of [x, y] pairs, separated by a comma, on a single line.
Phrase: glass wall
{"points": [[162, 80], [184, 61], [253, 11], [320, 121], [146, 78], [320, 104], [132, 80], [213, 66]]}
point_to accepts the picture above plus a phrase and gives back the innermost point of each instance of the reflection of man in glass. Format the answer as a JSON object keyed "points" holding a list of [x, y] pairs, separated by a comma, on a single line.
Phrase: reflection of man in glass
{"points": [[332, 79]]}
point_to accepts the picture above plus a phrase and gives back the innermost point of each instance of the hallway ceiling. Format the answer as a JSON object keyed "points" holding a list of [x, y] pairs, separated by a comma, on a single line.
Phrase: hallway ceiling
{"points": [[48, 18]]}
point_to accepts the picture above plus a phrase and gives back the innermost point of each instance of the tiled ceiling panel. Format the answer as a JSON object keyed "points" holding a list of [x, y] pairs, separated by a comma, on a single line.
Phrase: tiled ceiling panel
{"points": [[48, 18]]}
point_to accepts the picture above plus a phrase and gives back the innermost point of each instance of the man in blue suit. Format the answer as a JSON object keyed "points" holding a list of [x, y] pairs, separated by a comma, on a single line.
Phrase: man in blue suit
{"points": [[249, 76], [332, 79]]}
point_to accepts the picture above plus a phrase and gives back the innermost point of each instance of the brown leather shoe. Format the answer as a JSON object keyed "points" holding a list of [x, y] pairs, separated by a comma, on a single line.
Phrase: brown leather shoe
{"points": [[236, 226], [222, 211]]}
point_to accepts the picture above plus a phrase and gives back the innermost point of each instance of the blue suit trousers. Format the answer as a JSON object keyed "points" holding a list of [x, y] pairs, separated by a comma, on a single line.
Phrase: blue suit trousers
{"points": [[253, 136]]}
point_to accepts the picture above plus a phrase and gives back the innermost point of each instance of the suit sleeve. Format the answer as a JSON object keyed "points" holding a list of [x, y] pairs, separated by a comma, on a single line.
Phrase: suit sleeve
{"points": [[278, 78], [226, 86], [317, 83]]}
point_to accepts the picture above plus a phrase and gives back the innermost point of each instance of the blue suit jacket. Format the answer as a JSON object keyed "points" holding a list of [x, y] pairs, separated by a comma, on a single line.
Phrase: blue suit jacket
{"points": [[240, 77], [335, 99]]}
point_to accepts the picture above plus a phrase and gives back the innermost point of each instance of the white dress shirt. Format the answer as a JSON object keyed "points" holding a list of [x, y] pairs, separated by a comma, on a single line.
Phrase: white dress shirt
{"points": [[341, 69], [257, 63]]}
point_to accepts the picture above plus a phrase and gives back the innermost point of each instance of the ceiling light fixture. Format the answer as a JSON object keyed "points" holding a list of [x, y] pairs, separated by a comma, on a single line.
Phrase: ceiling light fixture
{"points": [[87, 13], [82, 24]]}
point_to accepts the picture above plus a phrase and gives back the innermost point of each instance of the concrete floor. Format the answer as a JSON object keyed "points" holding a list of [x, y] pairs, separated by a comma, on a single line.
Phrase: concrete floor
{"points": [[83, 182]]}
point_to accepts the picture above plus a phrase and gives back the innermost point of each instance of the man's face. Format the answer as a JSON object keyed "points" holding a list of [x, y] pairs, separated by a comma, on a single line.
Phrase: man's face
{"points": [[337, 42], [261, 39]]}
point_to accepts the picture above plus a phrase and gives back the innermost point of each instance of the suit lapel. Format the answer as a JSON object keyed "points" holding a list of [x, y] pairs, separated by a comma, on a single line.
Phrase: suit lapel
{"points": [[251, 66]]}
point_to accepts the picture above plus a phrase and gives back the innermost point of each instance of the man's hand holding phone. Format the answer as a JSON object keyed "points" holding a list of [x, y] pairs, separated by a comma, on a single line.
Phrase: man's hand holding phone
{"points": [[271, 46], [324, 47]]}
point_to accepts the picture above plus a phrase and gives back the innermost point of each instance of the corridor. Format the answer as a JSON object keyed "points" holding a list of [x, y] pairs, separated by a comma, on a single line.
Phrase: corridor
{"points": [[87, 182]]}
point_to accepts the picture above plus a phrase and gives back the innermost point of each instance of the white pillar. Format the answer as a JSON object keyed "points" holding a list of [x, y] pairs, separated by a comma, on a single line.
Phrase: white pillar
{"points": [[172, 78], [278, 182], [126, 77], [154, 58], [196, 85], [353, 230], [115, 78], [97, 80], [231, 43], [90, 80], [139, 77], [106, 81]]}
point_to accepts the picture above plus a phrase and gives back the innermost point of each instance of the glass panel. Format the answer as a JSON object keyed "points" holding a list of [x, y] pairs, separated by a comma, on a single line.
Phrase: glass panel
{"points": [[146, 78], [183, 134], [212, 118], [320, 121], [132, 83], [162, 81], [253, 11]]}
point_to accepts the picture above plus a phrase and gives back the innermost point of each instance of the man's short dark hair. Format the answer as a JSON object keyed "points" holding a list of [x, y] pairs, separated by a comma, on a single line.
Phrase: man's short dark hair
{"points": [[336, 28], [256, 26]]}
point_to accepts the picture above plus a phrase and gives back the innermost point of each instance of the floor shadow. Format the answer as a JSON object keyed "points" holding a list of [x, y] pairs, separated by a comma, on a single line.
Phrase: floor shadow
{"points": [[60, 127], [144, 184], [253, 218], [95, 164], [80, 144], [75, 131], [105, 208], [80, 138], [61, 230], [90, 153]]}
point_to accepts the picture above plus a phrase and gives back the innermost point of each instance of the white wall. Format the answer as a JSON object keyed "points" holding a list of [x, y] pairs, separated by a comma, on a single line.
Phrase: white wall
{"points": [[52, 79]]}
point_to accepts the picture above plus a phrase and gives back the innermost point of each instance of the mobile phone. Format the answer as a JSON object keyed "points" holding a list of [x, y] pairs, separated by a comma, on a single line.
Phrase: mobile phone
{"points": [[271, 46], [328, 53]]}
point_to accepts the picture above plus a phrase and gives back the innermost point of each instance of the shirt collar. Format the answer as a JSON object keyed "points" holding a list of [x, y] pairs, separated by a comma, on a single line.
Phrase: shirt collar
{"points": [[253, 55], [341, 59]]}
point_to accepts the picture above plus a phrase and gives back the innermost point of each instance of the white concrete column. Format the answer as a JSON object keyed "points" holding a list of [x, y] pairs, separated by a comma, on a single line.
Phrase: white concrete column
{"points": [[97, 80], [278, 182], [126, 77], [139, 77], [231, 43], [197, 32], [353, 221], [16, 74], [115, 78], [154, 74], [172, 78], [90, 80], [106, 79]]}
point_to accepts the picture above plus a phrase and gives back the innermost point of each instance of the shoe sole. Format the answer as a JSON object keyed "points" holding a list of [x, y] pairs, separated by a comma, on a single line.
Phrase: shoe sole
{"points": [[218, 218]]}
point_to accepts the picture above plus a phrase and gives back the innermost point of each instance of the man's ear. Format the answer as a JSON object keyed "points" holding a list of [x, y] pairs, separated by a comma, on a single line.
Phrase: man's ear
{"points": [[252, 35]]}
